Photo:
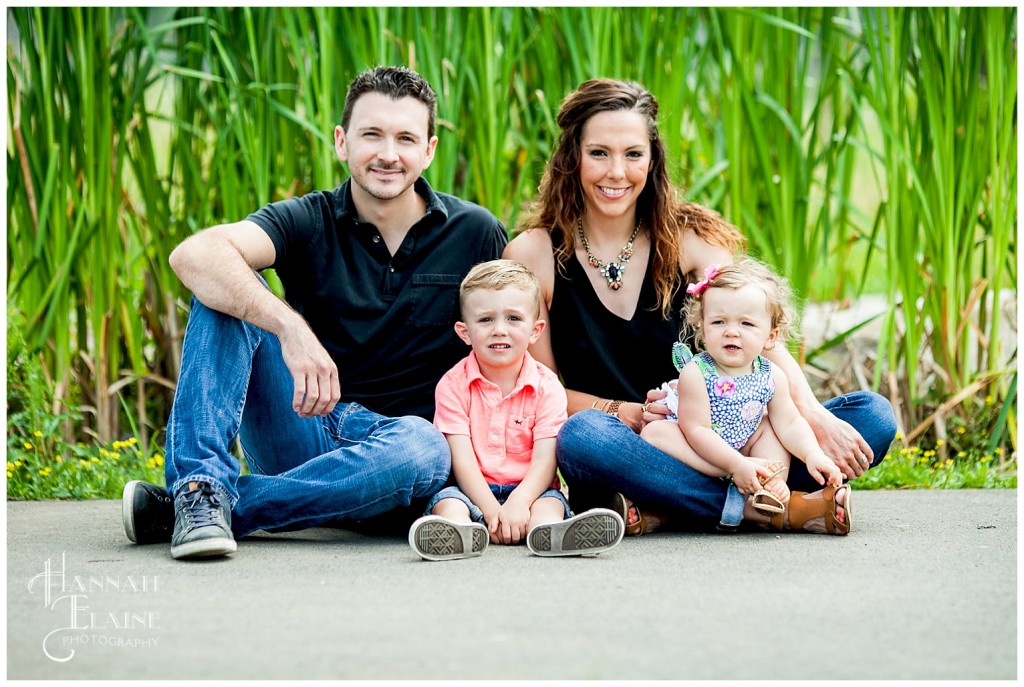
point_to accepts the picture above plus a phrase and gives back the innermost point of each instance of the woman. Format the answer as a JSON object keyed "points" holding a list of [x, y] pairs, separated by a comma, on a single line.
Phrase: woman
{"points": [[612, 247]]}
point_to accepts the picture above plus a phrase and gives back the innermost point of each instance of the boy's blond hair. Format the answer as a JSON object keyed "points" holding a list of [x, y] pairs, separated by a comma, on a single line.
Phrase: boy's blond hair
{"points": [[744, 272], [495, 275]]}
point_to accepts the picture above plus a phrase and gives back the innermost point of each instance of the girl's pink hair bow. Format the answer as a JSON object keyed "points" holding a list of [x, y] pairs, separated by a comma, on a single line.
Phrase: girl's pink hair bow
{"points": [[710, 272]]}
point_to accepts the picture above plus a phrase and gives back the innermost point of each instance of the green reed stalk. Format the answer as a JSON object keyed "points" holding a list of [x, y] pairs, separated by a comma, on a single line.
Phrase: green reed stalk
{"points": [[785, 130], [133, 128], [927, 85]]}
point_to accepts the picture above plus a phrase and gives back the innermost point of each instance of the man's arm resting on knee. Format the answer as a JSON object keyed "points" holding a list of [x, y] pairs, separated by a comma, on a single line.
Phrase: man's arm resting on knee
{"points": [[218, 266]]}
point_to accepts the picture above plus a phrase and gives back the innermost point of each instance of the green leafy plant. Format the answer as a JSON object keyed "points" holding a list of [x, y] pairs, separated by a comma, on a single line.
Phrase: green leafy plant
{"points": [[860, 150], [41, 462]]}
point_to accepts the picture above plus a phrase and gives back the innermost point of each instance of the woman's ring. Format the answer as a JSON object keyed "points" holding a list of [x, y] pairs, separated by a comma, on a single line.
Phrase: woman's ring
{"points": [[863, 458], [645, 407]]}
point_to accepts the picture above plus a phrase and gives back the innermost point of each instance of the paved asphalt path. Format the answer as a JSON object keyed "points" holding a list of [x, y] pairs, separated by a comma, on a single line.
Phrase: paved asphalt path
{"points": [[924, 588]]}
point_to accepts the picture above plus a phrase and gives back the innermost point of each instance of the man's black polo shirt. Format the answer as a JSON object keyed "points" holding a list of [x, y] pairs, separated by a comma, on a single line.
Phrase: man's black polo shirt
{"points": [[387, 321]]}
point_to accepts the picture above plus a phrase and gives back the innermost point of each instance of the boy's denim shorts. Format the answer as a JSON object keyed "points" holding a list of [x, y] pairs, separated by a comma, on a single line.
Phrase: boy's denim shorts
{"points": [[500, 491]]}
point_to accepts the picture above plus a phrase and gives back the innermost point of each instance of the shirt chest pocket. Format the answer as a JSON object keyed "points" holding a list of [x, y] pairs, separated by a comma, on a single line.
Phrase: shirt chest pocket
{"points": [[433, 299], [519, 433]]}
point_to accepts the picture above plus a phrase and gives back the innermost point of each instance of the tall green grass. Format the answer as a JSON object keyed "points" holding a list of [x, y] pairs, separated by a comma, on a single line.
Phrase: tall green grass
{"points": [[859, 149], [942, 83]]}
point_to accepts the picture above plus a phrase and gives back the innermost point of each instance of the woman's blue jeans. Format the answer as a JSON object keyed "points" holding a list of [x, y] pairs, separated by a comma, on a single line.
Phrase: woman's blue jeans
{"points": [[350, 465], [599, 455]]}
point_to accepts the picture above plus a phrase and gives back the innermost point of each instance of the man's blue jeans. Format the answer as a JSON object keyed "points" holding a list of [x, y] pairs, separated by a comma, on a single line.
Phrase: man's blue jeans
{"points": [[351, 465], [599, 455]]}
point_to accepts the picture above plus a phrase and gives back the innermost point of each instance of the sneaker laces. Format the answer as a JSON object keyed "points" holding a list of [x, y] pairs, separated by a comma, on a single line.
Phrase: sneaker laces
{"points": [[203, 504]]}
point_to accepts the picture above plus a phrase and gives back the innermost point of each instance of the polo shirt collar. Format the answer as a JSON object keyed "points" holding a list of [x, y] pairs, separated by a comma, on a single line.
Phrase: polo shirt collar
{"points": [[346, 208], [529, 375]]}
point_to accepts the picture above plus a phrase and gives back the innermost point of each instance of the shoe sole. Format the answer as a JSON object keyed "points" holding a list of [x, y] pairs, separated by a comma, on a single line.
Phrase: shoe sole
{"points": [[438, 539], [205, 548], [586, 534], [128, 509]]}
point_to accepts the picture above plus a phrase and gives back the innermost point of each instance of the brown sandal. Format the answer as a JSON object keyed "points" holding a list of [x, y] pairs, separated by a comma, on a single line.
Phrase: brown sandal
{"points": [[637, 521], [804, 507], [764, 500]]}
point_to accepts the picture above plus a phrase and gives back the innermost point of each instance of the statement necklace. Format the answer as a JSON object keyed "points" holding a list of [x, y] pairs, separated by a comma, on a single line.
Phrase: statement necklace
{"points": [[613, 271]]}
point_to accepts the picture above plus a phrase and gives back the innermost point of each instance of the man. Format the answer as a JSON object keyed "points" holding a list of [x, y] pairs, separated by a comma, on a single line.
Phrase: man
{"points": [[330, 390]]}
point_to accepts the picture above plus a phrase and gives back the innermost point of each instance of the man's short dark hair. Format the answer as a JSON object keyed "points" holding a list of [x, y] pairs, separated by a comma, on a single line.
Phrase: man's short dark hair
{"points": [[394, 82]]}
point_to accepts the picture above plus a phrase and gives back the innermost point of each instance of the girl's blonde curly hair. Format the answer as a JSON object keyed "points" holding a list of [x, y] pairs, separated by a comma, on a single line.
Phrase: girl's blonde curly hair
{"points": [[745, 271]]}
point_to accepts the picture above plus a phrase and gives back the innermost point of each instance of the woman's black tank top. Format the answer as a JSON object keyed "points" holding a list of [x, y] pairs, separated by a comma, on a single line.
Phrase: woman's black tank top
{"points": [[598, 352]]}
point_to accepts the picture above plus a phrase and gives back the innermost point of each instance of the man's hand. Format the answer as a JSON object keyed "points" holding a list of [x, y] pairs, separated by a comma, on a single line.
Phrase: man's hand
{"points": [[314, 374], [842, 443]]}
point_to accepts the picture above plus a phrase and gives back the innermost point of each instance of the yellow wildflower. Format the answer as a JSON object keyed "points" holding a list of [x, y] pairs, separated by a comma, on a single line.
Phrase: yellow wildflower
{"points": [[18, 463], [961, 430], [10, 475], [28, 446], [899, 435], [38, 433], [940, 442], [10, 465], [999, 451], [59, 459], [45, 472], [84, 463], [132, 441], [159, 460]]}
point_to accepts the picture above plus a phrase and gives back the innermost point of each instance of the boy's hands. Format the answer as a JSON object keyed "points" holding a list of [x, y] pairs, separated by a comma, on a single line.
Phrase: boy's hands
{"points": [[509, 524], [824, 470]]}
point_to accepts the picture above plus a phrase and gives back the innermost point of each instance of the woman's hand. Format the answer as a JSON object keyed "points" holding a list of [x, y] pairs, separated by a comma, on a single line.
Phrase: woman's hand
{"points": [[841, 442], [653, 409]]}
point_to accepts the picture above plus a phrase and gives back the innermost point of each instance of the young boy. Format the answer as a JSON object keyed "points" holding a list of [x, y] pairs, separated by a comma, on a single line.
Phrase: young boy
{"points": [[500, 411]]}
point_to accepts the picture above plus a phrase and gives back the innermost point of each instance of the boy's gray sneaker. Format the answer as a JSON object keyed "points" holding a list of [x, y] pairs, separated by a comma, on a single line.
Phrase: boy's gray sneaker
{"points": [[439, 539], [202, 524], [147, 512], [586, 534]]}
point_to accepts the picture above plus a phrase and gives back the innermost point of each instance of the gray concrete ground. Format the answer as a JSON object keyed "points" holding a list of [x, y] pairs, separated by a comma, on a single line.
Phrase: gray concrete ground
{"points": [[924, 588]]}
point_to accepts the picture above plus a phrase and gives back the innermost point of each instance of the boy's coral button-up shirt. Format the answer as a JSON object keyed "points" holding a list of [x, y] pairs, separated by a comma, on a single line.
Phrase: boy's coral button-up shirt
{"points": [[502, 430]]}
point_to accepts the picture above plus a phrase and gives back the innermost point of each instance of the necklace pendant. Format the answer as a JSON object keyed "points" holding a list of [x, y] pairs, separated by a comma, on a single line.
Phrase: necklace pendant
{"points": [[612, 272]]}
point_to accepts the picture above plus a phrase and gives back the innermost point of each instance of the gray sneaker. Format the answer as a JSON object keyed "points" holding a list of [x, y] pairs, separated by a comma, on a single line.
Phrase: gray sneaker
{"points": [[439, 539], [202, 524], [587, 534], [147, 512]]}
